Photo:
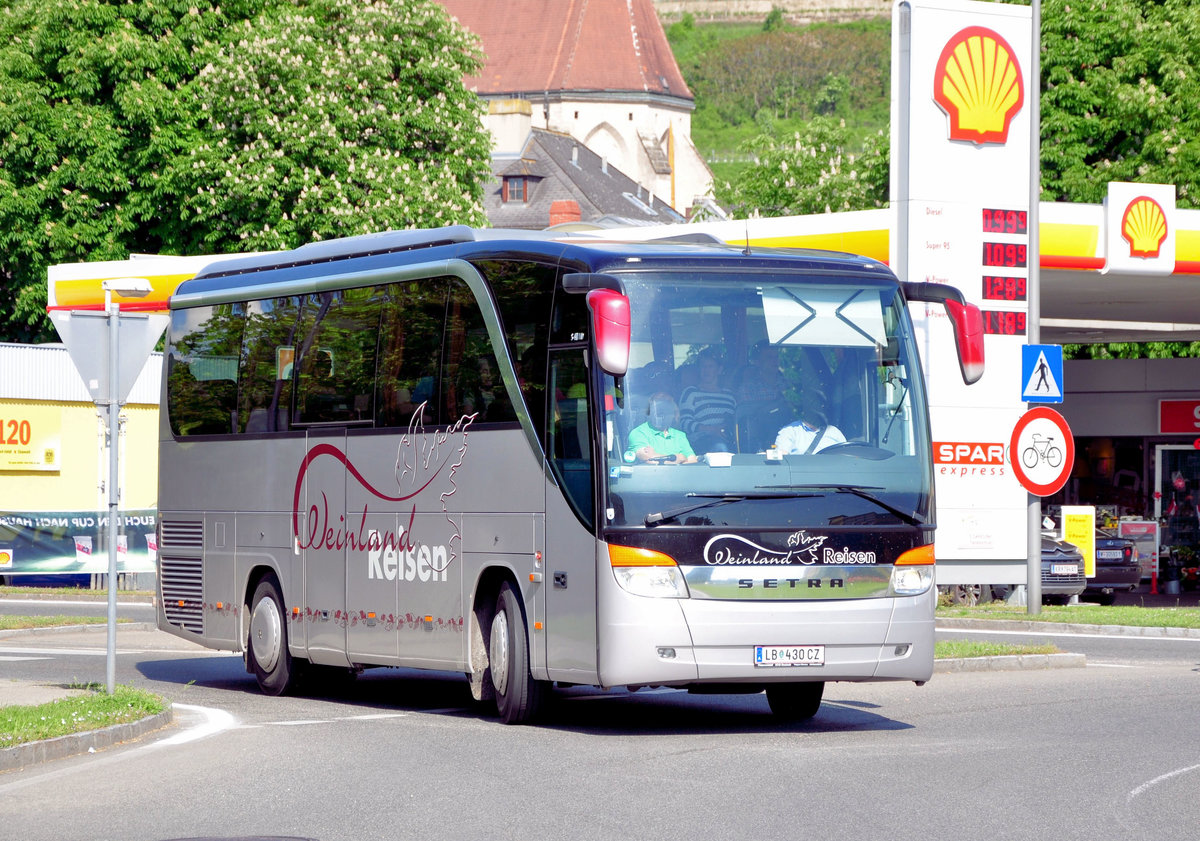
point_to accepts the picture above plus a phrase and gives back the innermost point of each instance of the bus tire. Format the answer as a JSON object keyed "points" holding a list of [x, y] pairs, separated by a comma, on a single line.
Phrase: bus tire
{"points": [[518, 695], [268, 645], [795, 701]]}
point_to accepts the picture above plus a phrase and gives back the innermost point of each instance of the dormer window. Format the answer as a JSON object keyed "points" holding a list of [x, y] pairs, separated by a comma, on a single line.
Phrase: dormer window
{"points": [[515, 188]]}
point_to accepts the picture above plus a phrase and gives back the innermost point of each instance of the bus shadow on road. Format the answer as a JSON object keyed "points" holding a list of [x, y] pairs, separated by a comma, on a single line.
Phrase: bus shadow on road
{"points": [[617, 712]]}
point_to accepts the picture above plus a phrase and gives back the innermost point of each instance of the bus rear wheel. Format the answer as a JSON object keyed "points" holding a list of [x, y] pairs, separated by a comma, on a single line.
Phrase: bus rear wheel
{"points": [[268, 648], [518, 696], [795, 701]]}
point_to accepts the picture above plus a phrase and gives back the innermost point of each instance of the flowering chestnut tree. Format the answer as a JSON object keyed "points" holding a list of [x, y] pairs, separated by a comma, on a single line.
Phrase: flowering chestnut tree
{"points": [[331, 118], [192, 126]]}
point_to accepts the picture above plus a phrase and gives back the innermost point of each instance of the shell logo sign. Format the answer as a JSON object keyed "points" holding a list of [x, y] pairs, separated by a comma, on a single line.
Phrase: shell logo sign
{"points": [[1144, 227], [978, 83]]}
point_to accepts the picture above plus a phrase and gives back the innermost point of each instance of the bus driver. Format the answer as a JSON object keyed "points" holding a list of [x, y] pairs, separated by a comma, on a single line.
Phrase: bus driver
{"points": [[657, 439]]}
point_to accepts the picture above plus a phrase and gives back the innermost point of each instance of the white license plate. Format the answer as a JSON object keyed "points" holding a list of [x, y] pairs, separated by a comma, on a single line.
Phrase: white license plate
{"points": [[1064, 569], [1109, 554], [789, 655]]}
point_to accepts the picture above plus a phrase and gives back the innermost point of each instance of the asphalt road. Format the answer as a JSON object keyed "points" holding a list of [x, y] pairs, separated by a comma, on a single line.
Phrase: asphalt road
{"points": [[1108, 751]]}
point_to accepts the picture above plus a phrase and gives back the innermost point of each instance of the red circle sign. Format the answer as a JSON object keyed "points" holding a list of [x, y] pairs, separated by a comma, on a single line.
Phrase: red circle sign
{"points": [[1042, 451]]}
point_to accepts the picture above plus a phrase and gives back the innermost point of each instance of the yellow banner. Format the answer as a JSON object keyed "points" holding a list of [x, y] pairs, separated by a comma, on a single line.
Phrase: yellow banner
{"points": [[1079, 528], [30, 437]]}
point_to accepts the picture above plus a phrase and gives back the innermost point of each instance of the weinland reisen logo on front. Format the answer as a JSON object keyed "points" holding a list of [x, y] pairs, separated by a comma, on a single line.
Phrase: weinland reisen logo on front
{"points": [[807, 550]]}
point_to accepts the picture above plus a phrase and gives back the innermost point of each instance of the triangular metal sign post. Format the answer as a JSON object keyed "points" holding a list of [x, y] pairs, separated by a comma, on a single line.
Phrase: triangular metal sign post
{"points": [[86, 335]]}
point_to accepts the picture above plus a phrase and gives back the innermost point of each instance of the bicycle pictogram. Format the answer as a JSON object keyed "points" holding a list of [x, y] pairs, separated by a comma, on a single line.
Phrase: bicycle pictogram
{"points": [[1042, 449]]}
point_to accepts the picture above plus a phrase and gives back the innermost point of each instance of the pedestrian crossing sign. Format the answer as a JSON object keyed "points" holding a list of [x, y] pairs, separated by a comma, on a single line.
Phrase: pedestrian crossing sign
{"points": [[1042, 373]]}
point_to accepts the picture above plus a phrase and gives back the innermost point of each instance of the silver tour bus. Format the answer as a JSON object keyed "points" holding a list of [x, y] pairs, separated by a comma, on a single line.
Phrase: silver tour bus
{"points": [[543, 461]]}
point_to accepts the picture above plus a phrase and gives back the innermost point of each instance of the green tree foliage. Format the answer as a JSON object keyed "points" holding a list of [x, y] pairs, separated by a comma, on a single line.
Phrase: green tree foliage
{"points": [[332, 118], [184, 126], [1121, 86], [812, 172]]}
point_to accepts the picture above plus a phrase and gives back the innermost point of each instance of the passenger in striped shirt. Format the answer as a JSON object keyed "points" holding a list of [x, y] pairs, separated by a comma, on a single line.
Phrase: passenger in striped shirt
{"points": [[707, 408]]}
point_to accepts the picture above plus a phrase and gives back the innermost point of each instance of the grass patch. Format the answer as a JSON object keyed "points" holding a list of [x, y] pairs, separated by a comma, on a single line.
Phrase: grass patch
{"points": [[953, 649], [78, 592], [91, 711], [13, 623], [1083, 614]]}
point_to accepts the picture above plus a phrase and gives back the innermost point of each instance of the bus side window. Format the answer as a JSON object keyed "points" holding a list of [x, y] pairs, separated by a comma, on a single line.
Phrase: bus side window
{"points": [[336, 377], [264, 372], [202, 364], [570, 440], [467, 359], [410, 352]]}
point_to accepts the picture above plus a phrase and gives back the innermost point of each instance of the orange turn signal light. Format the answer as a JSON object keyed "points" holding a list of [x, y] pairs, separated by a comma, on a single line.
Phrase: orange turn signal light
{"points": [[630, 556], [921, 556]]}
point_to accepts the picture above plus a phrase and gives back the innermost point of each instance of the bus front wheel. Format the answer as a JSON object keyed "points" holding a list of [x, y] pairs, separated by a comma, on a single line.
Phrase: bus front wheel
{"points": [[268, 647], [518, 695], [795, 701]]}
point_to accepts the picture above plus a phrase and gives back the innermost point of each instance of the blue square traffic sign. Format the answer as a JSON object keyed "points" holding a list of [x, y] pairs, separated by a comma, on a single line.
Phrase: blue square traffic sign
{"points": [[1042, 373]]}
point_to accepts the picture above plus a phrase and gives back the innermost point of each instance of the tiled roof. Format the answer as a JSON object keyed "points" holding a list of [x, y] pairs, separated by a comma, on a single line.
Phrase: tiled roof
{"points": [[572, 172], [535, 46]]}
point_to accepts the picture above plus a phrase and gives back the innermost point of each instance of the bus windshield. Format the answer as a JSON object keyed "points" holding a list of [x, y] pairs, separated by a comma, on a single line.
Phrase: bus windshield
{"points": [[769, 399]]}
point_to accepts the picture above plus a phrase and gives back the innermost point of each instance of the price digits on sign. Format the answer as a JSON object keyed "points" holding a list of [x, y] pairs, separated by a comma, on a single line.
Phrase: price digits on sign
{"points": [[997, 288], [1010, 255], [999, 221], [1002, 323], [16, 432]]}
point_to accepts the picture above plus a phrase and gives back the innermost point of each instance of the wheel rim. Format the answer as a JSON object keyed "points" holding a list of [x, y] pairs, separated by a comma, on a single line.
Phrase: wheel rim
{"points": [[498, 651], [265, 634]]}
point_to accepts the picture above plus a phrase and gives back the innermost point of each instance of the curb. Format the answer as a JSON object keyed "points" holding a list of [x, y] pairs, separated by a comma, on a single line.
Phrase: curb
{"points": [[33, 753], [1010, 663], [73, 629], [1066, 628]]}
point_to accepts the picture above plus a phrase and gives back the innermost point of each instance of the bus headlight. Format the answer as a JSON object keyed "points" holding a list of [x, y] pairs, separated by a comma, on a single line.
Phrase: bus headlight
{"points": [[911, 581], [912, 574], [645, 572]]}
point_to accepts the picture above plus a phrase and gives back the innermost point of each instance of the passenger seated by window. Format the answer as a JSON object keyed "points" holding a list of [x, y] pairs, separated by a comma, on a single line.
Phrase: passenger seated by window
{"points": [[707, 408], [657, 439], [810, 434]]}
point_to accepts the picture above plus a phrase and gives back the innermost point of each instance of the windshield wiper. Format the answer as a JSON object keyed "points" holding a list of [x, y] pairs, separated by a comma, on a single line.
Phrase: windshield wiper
{"points": [[711, 500], [862, 491]]}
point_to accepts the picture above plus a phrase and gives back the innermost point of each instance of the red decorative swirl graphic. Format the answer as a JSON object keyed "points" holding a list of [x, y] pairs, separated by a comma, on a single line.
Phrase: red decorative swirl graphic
{"points": [[330, 450]]}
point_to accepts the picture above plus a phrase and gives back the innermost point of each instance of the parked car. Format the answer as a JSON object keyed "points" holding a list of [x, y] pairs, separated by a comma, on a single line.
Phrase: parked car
{"points": [[1117, 567], [1062, 570], [1062, 577]]}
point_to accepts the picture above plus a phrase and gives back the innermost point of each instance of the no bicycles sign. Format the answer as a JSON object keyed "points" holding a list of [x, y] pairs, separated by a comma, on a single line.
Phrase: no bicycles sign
{"points": [[1042, 451]]}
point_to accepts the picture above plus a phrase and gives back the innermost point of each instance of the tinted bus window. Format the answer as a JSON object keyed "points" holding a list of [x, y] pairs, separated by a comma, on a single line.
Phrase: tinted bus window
{"points": [[273, 328], [335, 374], [410, 351], [523, 292], [202, 368], [470, 381]]}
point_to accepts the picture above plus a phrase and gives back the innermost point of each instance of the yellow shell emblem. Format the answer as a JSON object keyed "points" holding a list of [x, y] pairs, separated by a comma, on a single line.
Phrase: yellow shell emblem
{"points": [[1144, 227], [978, 83]]}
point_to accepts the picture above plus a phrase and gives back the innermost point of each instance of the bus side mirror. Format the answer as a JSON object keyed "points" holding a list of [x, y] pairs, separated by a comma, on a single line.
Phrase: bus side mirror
{"points": [[611, 325], [967, 321], [968, 338]]}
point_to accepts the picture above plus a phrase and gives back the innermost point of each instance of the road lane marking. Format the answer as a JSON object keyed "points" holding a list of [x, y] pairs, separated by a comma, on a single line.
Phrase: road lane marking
{"points": [[214, 721], [1146, 786]]}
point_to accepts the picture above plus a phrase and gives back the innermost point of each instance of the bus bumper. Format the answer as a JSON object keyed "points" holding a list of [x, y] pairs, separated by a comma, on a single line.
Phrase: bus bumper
{"points": [[675, 642]]}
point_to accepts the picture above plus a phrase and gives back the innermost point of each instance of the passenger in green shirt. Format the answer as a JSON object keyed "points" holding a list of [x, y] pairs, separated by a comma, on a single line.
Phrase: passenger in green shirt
{"points": [[658, 438]]}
